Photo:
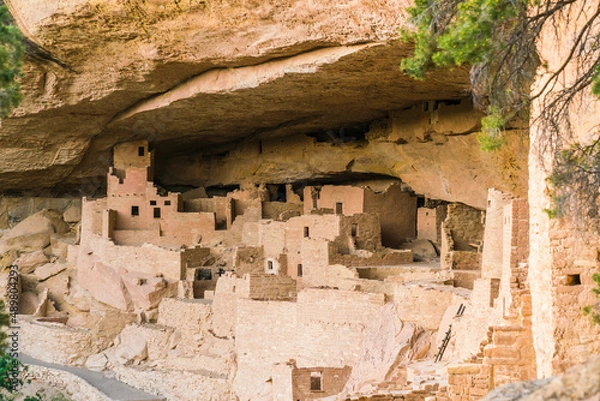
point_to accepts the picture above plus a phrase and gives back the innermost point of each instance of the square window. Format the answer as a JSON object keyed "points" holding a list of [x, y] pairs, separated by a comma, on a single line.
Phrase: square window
{"points": [[141, 151], [573, 279], [167, 203], [135, 210], [152, 203], [316, 381]]}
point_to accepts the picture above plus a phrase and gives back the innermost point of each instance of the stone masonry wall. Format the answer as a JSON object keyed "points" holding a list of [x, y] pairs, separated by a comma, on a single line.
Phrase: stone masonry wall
{"points": [[266, 334], [57, 343], [332, 379], [397, 212], [333, 339], [148, 259], [271, 287]]}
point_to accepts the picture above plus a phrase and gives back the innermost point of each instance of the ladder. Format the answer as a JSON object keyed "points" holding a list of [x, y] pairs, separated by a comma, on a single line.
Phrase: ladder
{"points": [[443, 345]]}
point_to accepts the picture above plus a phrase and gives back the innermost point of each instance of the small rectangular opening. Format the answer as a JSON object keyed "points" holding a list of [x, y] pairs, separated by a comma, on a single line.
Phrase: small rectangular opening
{"points": [[573, 279], [203, 275], [152, 203], [141, 151], [270, 265], [306, 232], [135, 210], [157, 213], [167, 203], [339, 208], [316, 381], [300, 270], [354, 230]]}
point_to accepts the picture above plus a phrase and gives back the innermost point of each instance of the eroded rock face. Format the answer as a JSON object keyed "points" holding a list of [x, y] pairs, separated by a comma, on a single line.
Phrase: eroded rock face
{"points": [[33, 234], [389, 343], [192, 76]]}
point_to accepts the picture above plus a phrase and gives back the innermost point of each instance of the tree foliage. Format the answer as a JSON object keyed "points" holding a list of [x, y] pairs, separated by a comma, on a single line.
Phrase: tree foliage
{"points": [[593, 311], [498, 39], [11, 55]]}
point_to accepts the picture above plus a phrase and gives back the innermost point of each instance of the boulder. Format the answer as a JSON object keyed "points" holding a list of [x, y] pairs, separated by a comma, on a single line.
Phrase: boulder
{"points": [[34, 232], [97, 362], [102, 282], [581, 382], [422, 249], [29, 262], [8, 258], [72, 214], [146, 290], [59, 245], [49, 269], [132, 347]]}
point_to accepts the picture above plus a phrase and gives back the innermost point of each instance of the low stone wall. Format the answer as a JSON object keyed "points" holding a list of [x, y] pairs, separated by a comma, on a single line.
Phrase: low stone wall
{"points": [[391, 258], [469, 382], [189, 316], [57, 343], [177, 385], [149, 259], [271, 287]]}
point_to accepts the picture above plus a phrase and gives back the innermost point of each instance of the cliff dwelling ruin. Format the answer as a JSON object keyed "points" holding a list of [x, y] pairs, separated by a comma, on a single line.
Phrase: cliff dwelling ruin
{"points": [[250, 202]]}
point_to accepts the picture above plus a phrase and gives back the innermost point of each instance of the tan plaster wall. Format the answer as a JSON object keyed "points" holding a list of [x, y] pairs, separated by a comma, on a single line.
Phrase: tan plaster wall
{"points": [[91, 218], [397, 211], [272, 237], [427, 227], [229, 288], [491, 259], [352, 199], [125, 155]]}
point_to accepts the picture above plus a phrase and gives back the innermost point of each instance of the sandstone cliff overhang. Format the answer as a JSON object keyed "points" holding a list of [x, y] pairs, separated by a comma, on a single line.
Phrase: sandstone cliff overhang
{"points": [[196, 76]]}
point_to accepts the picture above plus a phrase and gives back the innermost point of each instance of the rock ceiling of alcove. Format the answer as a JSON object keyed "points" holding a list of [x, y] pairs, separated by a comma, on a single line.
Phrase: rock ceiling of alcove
{"points": [[361, 86]]}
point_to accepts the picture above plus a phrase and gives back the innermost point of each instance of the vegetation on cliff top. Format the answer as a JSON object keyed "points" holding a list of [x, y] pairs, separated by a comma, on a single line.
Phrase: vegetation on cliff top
{"points": [[11, 55]]}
